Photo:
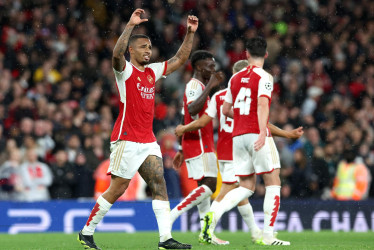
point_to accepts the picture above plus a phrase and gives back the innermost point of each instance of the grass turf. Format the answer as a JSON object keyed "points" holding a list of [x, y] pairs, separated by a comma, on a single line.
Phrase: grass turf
{"points": [[148, 240]]}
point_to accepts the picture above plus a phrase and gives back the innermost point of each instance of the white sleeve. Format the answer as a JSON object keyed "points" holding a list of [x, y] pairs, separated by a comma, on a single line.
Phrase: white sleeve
{"points": [[211, 110], [193, 91], [159, 69], [228, 96], [122, 76], [265, 86]]}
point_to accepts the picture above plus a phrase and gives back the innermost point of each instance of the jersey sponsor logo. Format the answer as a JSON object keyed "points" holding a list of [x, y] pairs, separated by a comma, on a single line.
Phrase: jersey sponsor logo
{"points": [[245, 80], [146, 93], [150, 79]]}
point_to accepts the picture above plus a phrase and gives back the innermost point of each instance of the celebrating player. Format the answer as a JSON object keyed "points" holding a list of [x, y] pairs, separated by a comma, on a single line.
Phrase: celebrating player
{"points": [[133, 144], [224, 151], [254, 151], [198, 146]]}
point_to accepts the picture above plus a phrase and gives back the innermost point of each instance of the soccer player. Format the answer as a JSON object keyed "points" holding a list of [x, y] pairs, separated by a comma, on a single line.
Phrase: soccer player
{"points": [[224, 151], [254, 151], [133, 144], [198, 146]]}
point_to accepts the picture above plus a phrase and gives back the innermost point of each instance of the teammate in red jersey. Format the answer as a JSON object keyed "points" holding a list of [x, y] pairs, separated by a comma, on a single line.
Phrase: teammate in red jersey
{"points": [[224, 152], [198, 146], [133, 144], [254, 151]]}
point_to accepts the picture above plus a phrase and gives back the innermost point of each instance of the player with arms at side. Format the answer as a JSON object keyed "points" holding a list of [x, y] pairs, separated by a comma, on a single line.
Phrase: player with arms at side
{"points": [[254, 150], [133, 144], [224, 151], [198, 146]]}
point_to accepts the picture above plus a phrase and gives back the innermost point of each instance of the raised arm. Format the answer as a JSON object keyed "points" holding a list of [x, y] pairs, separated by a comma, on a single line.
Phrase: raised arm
{"points": [[192, 126], [214, 81], [118, 58], [293, 134], [185, 49]]}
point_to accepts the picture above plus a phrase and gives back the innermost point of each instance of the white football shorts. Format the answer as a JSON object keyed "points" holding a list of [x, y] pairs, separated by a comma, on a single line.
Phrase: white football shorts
{"points": [[227, 170], [126, 157], [247, 161], [202, 166]]}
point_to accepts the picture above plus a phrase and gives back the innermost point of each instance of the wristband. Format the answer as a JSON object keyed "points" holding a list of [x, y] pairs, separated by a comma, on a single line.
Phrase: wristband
{"points": [[180, 147]]}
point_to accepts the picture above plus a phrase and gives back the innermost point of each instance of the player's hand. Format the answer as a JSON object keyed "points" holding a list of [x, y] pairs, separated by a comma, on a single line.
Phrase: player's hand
{"points": [[135, 18], [192, 24], [179, 131], [178, 160], [216, 78], [260, 142], [296, 133]]}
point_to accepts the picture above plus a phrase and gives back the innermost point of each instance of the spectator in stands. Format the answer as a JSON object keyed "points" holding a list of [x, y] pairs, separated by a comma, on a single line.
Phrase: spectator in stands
{"points": [[36, 178], [352, 180], [73, 148], [84, 176], [64, 177], [11, 186]]}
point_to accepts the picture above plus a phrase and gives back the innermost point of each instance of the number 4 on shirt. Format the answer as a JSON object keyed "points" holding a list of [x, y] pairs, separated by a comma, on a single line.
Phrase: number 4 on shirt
{"points": [[243, 101]]}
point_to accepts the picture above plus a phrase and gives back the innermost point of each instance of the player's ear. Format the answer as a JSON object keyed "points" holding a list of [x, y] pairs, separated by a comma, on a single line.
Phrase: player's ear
{"points": [[131, 50], [247, 54], [266, 55], [198, 66]]}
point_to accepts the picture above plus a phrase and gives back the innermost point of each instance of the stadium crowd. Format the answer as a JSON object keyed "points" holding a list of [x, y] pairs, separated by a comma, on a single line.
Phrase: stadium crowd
{"points": [[58, 100]]}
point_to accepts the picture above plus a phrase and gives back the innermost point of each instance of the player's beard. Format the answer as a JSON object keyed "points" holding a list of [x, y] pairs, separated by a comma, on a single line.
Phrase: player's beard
{"points": [[144, 62]]}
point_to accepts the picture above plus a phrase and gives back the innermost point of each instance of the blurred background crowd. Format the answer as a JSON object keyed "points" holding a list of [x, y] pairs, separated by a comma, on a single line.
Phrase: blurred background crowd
{"points": [[58, 99]]}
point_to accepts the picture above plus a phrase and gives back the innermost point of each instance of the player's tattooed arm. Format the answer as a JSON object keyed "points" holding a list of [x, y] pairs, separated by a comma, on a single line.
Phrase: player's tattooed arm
{"points": [[118, 58], [185, 49], [152, 171]]}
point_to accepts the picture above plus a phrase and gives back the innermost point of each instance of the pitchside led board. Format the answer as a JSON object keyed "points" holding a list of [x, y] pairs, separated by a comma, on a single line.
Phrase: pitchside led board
{"points": [[129, 217]]}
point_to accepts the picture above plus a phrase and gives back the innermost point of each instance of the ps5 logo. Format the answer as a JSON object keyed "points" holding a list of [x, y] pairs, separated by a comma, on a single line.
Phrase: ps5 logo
{"points": [[44, 218]]}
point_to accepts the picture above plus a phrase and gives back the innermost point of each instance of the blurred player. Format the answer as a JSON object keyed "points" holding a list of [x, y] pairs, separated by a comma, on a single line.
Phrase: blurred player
{"points": [[198, 146], [224, 151], [254, 151], [133, 144]]}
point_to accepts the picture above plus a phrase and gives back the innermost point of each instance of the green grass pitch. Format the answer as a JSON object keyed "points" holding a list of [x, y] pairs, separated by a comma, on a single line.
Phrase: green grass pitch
{"points": [[148, 240]]}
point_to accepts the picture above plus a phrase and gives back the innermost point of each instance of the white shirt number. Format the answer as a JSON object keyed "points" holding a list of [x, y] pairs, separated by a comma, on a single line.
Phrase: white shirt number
{"points": [[243, 101], [226, 123]]}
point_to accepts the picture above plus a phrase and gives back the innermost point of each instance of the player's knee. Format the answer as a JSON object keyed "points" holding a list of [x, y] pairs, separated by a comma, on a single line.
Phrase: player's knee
{"points": [[210, 182]]}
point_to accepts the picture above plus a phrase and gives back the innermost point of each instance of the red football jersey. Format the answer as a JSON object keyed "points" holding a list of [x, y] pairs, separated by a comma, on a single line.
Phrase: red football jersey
{"points": [[225, 128], [137, 92], [196, 143], [245, 87]]}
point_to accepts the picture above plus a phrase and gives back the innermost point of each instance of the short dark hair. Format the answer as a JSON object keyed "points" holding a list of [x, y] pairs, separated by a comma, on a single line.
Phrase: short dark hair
{"points": [[256, 46], [133, 38], [199, 55], [349, 155]]}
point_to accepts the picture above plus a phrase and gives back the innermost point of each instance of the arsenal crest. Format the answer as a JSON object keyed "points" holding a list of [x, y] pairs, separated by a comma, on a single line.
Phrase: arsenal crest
{"points": [[150, 79]]}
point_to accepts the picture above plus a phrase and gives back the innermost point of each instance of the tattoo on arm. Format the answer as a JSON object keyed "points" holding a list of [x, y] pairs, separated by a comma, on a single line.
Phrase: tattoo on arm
{"points": [[152, 172], [118, 59], [182, 54]]}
